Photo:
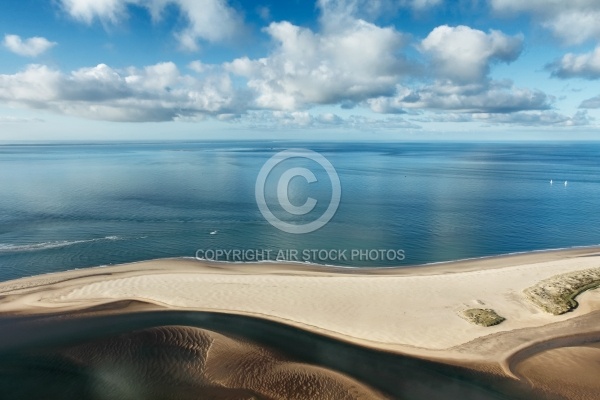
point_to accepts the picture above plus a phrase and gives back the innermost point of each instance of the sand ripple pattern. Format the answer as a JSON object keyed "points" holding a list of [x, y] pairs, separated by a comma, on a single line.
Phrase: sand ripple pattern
{"points": [[176, 362], [348, 305]]}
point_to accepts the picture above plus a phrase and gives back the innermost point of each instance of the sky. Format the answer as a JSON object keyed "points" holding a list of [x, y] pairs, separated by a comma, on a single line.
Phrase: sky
{"points": [[299, 69]]}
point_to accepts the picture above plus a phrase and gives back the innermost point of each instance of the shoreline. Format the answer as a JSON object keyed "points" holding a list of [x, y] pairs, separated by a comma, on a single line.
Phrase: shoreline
{"points": [[459, 265], [462, 264], [407, 311], [459, 260]]}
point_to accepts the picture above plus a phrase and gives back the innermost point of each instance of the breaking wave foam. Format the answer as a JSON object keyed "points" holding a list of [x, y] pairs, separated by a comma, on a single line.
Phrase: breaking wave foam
{"points": [[17, 248]]}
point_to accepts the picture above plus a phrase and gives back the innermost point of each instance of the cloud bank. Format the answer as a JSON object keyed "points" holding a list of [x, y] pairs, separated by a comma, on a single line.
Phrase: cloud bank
{"points": [[308, 68], [154, 93], [491, 97], [347, 61]]}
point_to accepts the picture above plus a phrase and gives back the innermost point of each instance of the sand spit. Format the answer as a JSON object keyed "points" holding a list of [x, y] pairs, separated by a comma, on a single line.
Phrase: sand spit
{"points": [[409, 311]]}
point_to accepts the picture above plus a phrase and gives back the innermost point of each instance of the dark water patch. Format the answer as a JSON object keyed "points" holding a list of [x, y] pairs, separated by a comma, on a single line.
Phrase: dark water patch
{"points": [[29, 349]]}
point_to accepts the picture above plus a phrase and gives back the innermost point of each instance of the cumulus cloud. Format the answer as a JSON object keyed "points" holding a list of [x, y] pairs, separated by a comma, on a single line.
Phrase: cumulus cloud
{"points": [[461, 58], [31, 47], [154, 93], [210, 20], [464, 55], [571, 65], [87, 10], [490, 97], [351, 64], [347, 65], [574, 21], [536, 118]]}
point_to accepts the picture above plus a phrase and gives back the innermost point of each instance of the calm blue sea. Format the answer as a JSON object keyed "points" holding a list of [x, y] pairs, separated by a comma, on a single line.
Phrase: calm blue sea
{"points": [[66, 206]]}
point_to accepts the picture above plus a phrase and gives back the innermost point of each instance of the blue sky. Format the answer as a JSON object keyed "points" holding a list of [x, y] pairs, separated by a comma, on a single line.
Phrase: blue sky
{"points": [[325, 69]]}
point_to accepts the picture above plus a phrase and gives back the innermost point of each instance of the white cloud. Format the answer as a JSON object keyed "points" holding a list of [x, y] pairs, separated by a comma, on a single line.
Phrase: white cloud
{"points": [[571, 65], [31, 47], [305, 119], [445, 117], [343, 10], [574, 21], [297, 118], [490, 97], [359, 64], [524, 118], [337, 12], [264, 119], [461, 58], [17, 120], [329, 118], [536, 118], [464, 55], [351, 64], [366, 124], [154, 93], [210, 20], [87, 10], [199, 67]]}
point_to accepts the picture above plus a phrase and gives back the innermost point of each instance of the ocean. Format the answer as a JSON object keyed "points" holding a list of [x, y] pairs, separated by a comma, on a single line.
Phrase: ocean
{"points": [[74, 205]]}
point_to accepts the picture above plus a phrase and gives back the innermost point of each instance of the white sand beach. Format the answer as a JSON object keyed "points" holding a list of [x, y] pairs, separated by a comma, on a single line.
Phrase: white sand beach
{"points": [[409, 310]]}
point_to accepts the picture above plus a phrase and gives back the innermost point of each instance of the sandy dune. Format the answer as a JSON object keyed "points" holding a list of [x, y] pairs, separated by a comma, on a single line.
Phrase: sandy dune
{"points": [[185, 361]]}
